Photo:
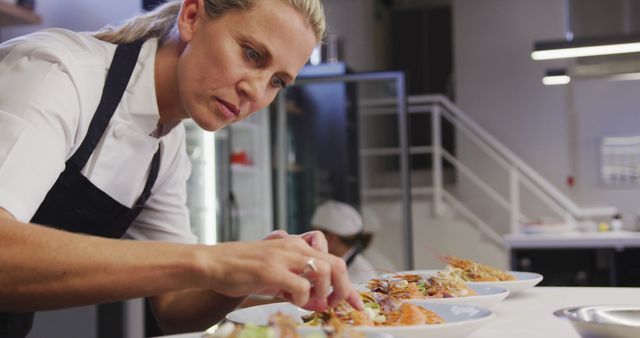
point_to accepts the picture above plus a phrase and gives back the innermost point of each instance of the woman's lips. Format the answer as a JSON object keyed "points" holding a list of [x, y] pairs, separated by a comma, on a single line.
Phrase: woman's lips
{"points": [[228, 110]]}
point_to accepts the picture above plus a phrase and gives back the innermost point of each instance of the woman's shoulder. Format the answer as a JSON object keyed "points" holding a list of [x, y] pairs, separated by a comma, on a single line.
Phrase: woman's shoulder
{"points": [[59, 45], [55, 73]]}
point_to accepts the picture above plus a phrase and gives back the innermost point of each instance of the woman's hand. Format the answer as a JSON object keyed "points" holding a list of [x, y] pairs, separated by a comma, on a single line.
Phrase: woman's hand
{"points": [[282, 264], [314, 238]]}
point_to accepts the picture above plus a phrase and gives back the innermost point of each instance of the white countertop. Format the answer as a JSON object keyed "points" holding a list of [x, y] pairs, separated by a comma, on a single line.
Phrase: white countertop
{"points": [[617, 240], [530, 313]]}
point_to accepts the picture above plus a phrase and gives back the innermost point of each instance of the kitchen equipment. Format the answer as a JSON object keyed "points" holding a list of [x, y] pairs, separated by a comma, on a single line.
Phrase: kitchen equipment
{"points": [[600, 321]]}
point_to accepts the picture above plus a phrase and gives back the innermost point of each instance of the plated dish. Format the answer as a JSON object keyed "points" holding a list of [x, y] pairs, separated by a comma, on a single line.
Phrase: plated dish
{"points": [[281, 325], [423, 289], [523, 281], [476, 274], [459, 320], [466, 270], [380, 310]]}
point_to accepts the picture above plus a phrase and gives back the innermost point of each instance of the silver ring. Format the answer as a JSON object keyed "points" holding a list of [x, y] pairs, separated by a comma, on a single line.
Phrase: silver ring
{"points": [[310, 265]]}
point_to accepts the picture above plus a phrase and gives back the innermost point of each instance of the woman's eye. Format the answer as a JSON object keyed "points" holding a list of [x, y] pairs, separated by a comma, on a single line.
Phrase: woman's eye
{"points": [[278, 83], [253, 55]]}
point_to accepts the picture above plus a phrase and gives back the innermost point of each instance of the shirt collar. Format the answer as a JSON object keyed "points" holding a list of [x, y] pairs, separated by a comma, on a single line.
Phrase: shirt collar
{"points": [[140, 97]]}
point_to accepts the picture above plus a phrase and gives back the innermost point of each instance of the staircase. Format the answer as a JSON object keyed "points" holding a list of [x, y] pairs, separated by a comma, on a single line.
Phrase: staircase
{"points": [[494, 192]]}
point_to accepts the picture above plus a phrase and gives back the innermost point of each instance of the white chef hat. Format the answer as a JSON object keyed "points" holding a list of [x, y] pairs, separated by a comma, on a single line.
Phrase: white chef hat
{"points": [[338, 218]]}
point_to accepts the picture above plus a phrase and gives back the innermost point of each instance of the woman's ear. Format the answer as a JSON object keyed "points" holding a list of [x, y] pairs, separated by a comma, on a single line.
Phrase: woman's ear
{"points": [[189, 18]]}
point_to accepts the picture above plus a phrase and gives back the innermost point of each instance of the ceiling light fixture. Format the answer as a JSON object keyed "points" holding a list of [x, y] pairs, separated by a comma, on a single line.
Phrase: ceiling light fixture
{"points": [[562, 49], [624, 77], [556, 77]]}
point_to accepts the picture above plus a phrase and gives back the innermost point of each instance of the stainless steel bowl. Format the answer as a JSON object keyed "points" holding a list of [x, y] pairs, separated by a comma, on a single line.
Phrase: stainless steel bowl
{"points": [[610, 321]]}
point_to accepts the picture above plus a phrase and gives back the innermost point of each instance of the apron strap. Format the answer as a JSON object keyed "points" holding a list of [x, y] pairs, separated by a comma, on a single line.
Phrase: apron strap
{"points": [[122, 65], [151, 179]]}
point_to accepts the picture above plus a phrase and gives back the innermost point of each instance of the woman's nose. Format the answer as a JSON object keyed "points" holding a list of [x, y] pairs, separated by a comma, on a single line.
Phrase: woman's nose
{"points": [[253, 88]]}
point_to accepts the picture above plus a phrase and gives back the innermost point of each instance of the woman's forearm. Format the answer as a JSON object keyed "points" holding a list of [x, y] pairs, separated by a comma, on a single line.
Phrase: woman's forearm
{"points": [[43, 268], [191, 310]]}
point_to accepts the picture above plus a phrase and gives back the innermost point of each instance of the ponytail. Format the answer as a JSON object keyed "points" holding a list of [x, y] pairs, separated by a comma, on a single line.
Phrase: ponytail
{"points": [[159, 23]]}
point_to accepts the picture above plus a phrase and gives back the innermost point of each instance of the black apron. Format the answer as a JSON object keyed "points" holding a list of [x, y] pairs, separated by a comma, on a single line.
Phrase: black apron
{"points": [[74, 204]]}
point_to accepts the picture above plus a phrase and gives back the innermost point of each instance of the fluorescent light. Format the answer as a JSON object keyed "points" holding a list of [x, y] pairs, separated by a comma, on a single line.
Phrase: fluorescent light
{"points": [[556, 80], [585, 51], [546, 50], [625, 77], [556, 77]]}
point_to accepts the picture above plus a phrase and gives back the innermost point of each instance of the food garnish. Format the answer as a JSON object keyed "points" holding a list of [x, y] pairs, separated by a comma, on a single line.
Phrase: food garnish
{"points": [[469, 271], [411, 286], [281, 326], [380, 310]]}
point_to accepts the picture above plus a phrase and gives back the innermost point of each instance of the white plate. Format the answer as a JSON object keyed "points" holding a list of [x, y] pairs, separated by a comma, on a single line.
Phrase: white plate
{"points": [[524, 280], [460, 320], [487, 296], [302, 332], [546, 228]]}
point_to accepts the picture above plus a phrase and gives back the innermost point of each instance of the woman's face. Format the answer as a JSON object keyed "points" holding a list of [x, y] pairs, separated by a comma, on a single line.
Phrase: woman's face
{"points": [[235, 65]]}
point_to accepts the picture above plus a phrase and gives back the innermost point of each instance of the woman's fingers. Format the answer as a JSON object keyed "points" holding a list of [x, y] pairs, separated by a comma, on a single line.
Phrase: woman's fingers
{"points": [[335, 276], [295, 288], [355, 300], [316, 240], [340, 281], [317, 268], [320, 278], [289, 266], [277, 234]]}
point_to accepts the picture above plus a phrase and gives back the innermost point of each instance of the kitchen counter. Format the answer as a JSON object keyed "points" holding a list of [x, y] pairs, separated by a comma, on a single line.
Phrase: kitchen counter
{"points": [[530, 313], [616, 240], [578, 258]]}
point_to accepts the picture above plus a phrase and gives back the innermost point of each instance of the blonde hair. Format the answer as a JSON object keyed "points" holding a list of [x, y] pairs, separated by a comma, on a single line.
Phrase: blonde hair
{"points": [[161, 22]]}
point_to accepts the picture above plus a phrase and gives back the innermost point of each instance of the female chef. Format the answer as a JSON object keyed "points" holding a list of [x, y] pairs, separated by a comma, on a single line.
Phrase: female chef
{"points": [[92, 153]]}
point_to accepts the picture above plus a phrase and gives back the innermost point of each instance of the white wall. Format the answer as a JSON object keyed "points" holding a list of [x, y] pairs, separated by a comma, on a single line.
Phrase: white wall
{"points": [[500, 87], [79, 15], [364, 27], [605, 108]]}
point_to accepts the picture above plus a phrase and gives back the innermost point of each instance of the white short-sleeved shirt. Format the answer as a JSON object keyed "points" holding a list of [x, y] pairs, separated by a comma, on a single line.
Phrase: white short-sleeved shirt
{"points": [[360, 270], [50, 85]]}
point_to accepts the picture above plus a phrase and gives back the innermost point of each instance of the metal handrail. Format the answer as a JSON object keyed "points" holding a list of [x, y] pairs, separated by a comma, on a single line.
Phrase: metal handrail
{"points": [[519, 172], [478, 181], [570, 210]]}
